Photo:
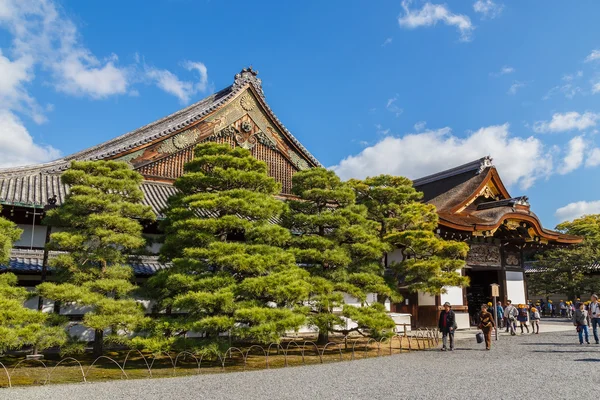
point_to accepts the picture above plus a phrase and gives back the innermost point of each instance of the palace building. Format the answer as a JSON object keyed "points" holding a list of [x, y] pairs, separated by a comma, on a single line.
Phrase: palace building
{"points": [[472, 202]]}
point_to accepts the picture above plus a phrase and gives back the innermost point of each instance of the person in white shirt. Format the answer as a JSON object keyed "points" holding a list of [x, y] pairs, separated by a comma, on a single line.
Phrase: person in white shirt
{"points": [[510, 313], [594, 312]]}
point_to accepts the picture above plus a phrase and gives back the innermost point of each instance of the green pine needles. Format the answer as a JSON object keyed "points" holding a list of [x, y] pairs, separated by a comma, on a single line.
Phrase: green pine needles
{"points": [[99, 228], [231, 272], [244, 263]]}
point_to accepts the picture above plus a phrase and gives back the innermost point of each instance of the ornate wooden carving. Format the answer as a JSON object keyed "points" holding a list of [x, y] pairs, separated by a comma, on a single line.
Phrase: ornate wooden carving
{"points": [[513, 260], [241, 123], [485, 255]]}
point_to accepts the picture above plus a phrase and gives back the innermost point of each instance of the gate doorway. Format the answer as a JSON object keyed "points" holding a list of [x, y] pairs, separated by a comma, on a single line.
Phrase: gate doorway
{"points": [[479, 292]]}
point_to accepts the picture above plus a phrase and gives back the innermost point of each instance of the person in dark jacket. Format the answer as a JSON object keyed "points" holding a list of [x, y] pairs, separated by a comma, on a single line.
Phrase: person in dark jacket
{"points": [[447, 325]]}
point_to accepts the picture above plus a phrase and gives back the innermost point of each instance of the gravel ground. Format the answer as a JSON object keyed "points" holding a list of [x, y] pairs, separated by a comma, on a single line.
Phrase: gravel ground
{"points": [[516, 367]]}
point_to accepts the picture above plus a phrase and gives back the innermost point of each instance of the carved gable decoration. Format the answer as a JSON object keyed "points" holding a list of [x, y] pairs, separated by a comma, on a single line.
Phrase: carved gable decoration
{"points": [[246, 122], [242, 122], [484, 255]]}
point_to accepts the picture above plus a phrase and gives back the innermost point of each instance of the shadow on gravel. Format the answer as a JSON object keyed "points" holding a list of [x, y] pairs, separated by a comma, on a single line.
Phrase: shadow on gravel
{"points": [[559, 351], [549, 344], [589, 359]]}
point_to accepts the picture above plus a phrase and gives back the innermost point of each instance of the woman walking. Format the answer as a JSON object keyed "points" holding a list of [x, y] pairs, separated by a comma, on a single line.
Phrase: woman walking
{"points": [[535, 320], [580, 321], [486, 324], [522, 317]]}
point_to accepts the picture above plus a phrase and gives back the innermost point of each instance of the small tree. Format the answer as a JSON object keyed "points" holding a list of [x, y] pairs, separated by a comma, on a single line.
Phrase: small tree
{"points": [[230, 272], [100, 227], [9, 233], [570, 270], [20, 326], [340, 249], [430, 263]]}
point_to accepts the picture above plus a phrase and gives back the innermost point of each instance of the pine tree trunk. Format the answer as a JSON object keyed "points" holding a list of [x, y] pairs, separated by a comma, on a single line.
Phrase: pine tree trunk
{"points": [[98, 342], [323, 337]]}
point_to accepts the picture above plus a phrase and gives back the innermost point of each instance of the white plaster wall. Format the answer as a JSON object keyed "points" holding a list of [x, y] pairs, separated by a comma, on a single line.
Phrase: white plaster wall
{"points": [[515, 287], [453, 296], [395, 256], [39, 236], [155, 247], [426, 299], [74, 309], [462, 320]]}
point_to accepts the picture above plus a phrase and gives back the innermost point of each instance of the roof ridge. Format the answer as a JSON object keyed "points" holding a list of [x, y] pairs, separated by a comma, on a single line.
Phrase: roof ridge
{"points": [[478, 165], [167, 125]]}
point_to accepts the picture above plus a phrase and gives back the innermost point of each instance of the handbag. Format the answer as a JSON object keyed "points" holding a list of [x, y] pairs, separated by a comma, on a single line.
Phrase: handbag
{"points": [[479, 337]]}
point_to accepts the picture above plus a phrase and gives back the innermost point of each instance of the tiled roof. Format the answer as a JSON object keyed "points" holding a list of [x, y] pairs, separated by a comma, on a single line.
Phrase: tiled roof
{"points": [[33, 185], [30, 262]]}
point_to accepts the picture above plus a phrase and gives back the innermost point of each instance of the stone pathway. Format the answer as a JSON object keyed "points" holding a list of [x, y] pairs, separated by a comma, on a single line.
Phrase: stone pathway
{"points": [[528, 366]]}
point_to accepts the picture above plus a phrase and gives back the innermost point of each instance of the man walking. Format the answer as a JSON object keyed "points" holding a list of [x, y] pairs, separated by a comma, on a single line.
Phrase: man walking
{"points": [[510, 313], [447, 325], [594, 312], [499, 314]]}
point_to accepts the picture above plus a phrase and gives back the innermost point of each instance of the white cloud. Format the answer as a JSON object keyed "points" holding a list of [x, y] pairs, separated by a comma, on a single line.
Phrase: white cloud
{"points": [[419, 126], [42, 33], [594, 55], [43, 38], [567, 122], [431, 14], [515, 87], [521, 161], [569, 89], [596, 87], [183, 90], [391, 106], [17, 146], [386, 42], [593, 158], [381, 130], [505, 70], [573, 158], [577, 209], [488, 8]]}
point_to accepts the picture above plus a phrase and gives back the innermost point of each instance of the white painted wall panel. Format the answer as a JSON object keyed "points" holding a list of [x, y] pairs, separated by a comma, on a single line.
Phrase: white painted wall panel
{"points": [[426, 299], [515, 287], [454, 296], [39, 236]]}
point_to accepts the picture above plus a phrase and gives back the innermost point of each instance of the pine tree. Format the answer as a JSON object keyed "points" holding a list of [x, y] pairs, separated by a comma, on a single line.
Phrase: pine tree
{"points": [[20, 326], [430, 263], [9, 233], [100, 224], [340, 249], [230, 273], [571, 269]]}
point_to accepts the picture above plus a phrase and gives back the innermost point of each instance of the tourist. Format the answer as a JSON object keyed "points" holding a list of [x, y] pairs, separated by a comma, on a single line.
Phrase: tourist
{"points": [[510, 313], [580, 321], [486, 324], [551, 309], [594, 312], [522, 317], [563, 309], [570, 309], [535, 320], [499, 314], [447, 325]]}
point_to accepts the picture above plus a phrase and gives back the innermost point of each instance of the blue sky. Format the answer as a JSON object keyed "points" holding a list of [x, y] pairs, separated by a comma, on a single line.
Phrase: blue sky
{"points": [[395, 87]]}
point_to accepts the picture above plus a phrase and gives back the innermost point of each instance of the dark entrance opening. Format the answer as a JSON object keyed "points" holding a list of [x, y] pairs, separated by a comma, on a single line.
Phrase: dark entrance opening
{"points": [[479, 292]]}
